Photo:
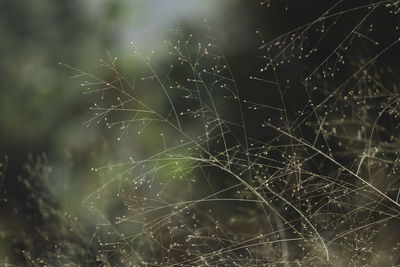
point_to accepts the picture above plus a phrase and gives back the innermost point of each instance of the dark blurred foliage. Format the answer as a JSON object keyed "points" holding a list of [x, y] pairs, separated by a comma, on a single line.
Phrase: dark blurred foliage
{"points": [[39, 105], [42, 110]]}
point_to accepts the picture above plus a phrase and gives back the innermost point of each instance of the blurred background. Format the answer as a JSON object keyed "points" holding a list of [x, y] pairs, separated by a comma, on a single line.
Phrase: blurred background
{"points": [[43, 110]]}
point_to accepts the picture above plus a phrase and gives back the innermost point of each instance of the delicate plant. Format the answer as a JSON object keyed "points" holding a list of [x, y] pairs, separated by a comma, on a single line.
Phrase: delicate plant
{"points": [[303, 173]]}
